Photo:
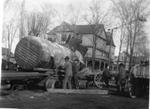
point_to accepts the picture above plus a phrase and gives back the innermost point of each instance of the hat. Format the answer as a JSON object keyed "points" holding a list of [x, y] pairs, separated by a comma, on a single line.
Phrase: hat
{"points": [[67, 57], [121, 64], [76, 59]]}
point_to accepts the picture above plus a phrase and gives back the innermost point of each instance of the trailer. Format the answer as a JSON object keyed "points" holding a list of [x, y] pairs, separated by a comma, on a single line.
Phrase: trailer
{"points": [[26, 79], [135, 84], [40, 62], [139, 79]]}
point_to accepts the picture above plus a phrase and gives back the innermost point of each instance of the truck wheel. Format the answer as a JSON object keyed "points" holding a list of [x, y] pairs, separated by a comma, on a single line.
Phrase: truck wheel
{"points": [[50, 84], [131, 90]]}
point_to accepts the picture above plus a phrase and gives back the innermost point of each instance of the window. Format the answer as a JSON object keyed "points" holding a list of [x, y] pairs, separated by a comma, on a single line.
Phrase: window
{"points": [[63, 37], [102, 66], [96, 67]]}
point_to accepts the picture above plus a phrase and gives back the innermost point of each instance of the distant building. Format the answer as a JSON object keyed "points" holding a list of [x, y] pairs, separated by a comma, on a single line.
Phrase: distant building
{"points": [[6, 52], [5, 60], [125, 59], [85, 33]]}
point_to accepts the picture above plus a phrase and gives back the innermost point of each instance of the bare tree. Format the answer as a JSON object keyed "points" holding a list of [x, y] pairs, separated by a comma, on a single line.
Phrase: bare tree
{"points": [[94, 18], [10, 25], [131, 13], [38, 22], [122, 38], [9, 33], [61, 16], [22, 16], [10, 30], [74, 14], [6, 2], [141, 45]]}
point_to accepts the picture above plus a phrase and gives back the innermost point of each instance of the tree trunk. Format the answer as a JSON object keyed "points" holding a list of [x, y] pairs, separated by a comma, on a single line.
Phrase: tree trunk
{"points": [[109, 61], [22, 20], [93, 52], [120, 47], [133, 44]]}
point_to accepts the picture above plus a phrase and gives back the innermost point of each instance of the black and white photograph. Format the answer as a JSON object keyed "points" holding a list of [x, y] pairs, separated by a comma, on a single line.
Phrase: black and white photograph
{"points": [[74, 54]]}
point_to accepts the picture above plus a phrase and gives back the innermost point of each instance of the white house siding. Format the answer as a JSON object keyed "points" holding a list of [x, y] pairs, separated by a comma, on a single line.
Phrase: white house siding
{"points": [[113, 52], [101, 44], [87, 40], [98, 54], [102, 34]]}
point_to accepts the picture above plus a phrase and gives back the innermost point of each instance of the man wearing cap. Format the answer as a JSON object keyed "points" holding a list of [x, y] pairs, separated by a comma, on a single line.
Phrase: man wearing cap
{"points": [[68, 73]]}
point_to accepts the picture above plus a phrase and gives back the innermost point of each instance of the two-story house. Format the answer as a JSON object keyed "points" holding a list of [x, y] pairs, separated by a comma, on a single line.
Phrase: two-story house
{"points": [[86, 33]]}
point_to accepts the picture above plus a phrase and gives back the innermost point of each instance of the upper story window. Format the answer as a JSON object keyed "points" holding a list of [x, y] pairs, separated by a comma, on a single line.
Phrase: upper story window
{"points": [[63, 37]]}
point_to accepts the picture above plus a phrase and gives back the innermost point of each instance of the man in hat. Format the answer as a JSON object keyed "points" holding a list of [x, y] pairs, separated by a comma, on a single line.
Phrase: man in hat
{"points": [[75, 69], [121, 76], [68, 73], [106, 76]]}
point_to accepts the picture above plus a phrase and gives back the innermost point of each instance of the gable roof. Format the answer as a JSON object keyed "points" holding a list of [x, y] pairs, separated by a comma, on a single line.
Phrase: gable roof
{"points": [[109, 39], [52, 33], [64, 27], [80, 29], [87, 29]]}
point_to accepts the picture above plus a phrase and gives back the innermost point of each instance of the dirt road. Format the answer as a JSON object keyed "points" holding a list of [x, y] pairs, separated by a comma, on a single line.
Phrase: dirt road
{"points": [[43, 100]]}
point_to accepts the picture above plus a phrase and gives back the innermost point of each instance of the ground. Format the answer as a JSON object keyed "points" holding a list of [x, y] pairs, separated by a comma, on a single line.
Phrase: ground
{"points": [[29, 99]]}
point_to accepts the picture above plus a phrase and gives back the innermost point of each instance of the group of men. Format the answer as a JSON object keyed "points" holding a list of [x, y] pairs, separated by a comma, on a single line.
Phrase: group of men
{"points": [[71, 70]]}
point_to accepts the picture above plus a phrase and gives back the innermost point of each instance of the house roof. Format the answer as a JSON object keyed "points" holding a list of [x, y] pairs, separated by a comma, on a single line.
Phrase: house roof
{"points": [[64, 27], [81, 29], [86, 29], [52, 33], [109, 39]]}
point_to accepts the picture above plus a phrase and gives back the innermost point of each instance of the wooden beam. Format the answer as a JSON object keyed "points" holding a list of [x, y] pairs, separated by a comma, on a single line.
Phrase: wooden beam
{"points": [[78, 91]]}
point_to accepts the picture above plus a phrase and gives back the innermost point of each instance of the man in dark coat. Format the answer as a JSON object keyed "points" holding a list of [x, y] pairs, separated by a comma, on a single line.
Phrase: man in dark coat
{"points": [[106, 76]]}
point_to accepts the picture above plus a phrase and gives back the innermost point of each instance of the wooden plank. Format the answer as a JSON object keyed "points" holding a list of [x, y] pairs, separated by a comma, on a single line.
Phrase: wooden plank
{"points": [[79, 91], [43, 69], [20, 75]]}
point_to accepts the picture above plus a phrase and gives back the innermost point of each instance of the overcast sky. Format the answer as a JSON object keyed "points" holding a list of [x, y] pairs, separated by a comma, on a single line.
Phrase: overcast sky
{"points": [[62, 7]]}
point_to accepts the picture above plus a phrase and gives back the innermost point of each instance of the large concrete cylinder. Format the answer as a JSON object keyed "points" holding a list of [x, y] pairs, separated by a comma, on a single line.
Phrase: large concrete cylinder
{"points": [[32, 52]]}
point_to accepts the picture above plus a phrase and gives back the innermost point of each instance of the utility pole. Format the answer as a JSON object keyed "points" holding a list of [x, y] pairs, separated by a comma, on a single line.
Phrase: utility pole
{"points": [[120, 47], [109, 58], [93, 52]]}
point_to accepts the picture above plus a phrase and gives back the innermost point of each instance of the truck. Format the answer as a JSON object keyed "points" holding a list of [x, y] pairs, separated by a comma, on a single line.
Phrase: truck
{"points": [[39, 61], [33, 63], [139, 79]]}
